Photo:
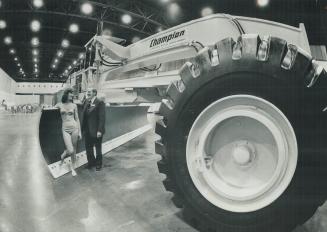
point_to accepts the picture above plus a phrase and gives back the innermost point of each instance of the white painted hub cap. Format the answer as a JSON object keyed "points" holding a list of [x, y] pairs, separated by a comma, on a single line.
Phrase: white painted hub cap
{"points": [[241, 153]]}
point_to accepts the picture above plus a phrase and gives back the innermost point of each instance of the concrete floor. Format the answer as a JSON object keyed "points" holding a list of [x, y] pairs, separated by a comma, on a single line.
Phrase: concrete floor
{"points": [[127, 195]]}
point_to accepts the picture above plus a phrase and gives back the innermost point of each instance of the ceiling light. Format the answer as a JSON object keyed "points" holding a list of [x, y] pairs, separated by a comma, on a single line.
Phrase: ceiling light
{"points": [[15, 58], [174, 10], [74, 62], [262, 3], [65, 43], [12, 51], [35, 25], [53, 66], [35, 52], [206, 11], [18, 64], [56, 60], [60, 53], [81, 55], [35, 65], [35, 41], [35, 60], [73, 28], [69, 67], [87, 8], [107, 32], [135, 39], [126, 18], [3, 24], [38, 3], [36, 70], [7, 40], [66, 71]]}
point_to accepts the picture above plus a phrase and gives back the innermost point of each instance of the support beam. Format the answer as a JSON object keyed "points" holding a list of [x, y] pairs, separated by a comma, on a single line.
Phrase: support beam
{"points": [[57, 13]]}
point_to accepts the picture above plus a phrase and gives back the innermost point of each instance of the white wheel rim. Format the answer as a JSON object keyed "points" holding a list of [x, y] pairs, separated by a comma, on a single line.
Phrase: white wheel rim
{"points": [[241, 153]]}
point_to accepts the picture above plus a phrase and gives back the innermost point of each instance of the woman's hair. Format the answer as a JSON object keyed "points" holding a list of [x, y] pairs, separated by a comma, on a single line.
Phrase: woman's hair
{"points": [[64, 98]]}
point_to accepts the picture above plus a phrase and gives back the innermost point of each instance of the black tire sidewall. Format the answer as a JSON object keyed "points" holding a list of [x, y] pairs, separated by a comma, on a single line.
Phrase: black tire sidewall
{"points": [[251, 83]]}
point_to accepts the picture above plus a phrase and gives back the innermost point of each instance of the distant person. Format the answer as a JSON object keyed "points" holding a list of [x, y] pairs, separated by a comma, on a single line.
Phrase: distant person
{"points": [[4, 104], [93, 127], [70, 127], [14, 109]]}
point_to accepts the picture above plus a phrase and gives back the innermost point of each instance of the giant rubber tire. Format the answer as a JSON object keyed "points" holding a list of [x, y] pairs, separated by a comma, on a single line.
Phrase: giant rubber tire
{"points": [[267, 79]]}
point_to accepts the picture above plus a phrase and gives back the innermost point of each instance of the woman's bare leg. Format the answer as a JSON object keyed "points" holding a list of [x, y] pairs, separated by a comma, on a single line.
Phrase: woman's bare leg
{"points": [[69, 148], [63, 156], [74, 138]]}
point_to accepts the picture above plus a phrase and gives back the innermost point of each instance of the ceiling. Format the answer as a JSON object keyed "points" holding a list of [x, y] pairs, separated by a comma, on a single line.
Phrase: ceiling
{"points": [[147, 17]]}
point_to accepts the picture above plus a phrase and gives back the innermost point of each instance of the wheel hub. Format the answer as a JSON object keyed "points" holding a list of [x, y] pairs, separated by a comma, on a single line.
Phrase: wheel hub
{"points": [[241, 153]]}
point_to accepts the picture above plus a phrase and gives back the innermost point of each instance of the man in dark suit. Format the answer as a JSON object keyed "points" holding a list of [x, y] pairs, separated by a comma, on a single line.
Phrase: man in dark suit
{"points": [[93, 127]]}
